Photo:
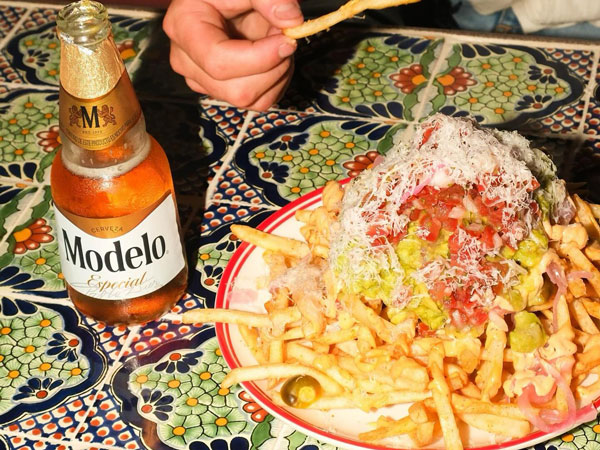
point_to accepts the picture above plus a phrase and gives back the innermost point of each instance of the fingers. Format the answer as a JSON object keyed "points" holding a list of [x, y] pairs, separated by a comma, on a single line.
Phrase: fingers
{"points": [[202, 34], [256, 91], [280, 13]]}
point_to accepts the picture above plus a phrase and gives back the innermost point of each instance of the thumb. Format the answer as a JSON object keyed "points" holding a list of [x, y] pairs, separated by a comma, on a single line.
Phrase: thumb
{"points": [[280, 13]]}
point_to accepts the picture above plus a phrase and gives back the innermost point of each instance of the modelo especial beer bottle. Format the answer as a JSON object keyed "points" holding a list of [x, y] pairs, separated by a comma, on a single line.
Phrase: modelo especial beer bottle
{"points": [[116, 219]]}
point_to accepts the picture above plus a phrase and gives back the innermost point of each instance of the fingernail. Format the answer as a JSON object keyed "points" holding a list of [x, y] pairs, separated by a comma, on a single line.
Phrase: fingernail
{"points": [[287, 11], [286, 49]]}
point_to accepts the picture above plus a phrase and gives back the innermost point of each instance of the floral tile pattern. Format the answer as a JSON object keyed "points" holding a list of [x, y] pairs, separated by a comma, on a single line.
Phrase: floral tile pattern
{"points": [[34, 51], [31, 247], [177, 402], [28, 133], [369, 75], [510, 86], [289, 161], [67, 381], [47, 357]]}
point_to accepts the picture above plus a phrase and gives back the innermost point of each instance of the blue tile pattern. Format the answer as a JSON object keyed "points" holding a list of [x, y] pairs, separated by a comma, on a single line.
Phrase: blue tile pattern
{"points": [[67, 381]]}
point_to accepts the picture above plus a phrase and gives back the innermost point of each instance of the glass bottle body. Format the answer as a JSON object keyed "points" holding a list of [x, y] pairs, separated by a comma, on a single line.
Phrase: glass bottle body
{"points": [[109, 197]]}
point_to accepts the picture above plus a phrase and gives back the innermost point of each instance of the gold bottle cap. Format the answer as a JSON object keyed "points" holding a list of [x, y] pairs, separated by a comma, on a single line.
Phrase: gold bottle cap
{"points": [[90, 64]]}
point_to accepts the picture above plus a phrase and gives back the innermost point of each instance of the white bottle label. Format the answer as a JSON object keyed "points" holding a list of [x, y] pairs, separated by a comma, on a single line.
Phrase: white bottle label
{"points": [[123, 257]]}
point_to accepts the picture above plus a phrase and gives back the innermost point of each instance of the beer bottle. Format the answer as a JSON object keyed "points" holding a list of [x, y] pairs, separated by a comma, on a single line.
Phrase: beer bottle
{"points": [[116, 219]]}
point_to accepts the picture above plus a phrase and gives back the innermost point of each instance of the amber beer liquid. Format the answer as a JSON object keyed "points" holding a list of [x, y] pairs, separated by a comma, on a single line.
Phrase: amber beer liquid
{"points": [[116, 219]]}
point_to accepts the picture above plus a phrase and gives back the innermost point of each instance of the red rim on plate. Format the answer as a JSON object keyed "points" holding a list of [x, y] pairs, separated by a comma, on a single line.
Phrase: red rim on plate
{"points": [[227, 282]]}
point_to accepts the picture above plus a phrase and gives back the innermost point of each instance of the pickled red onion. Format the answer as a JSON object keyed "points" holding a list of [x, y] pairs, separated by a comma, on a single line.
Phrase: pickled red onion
{"points": [[576, 274], [557, 276]]}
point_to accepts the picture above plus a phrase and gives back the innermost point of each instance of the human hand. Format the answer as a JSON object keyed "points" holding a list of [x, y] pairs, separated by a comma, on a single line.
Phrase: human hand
{"points": [[233, 50]]}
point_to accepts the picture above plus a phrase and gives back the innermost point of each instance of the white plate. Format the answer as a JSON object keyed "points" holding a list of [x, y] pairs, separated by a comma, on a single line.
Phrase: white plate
{"points": [[238, 290]]}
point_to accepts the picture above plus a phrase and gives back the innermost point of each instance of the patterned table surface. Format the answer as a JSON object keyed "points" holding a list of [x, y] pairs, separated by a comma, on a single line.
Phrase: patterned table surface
{"points": [[68, 382]]}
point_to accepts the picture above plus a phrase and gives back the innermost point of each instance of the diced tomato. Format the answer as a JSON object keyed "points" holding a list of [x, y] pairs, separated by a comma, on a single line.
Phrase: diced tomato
{"points": [[427, 134], [415, 214], [438, 291], [376, 230], [478, 316], [423, 330], [395, 238], [487, 237], [452, 195], [449, 223], [534, 185], [430, 196], [453, 244], [433, 225]]}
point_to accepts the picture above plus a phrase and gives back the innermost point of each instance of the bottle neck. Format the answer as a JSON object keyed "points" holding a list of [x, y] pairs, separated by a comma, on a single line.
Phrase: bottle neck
{"points": [[101, 123], [110, 162]]}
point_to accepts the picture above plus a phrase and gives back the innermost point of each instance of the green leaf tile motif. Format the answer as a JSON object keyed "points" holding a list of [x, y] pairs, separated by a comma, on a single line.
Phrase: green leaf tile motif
{"points": [[506, 85], [181, 393], [383, 77]]}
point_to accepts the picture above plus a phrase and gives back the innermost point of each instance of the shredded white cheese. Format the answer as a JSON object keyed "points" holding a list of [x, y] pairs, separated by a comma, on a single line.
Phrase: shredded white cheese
{"points": [[445, 151]]}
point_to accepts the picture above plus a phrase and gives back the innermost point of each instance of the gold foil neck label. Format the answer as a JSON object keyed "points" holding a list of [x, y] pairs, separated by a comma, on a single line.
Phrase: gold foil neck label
{"points": [[111, 227], [96, 124]]}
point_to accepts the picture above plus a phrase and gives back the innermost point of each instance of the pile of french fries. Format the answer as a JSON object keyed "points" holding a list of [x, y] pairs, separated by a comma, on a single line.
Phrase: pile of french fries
{"points": [[361, 360]]}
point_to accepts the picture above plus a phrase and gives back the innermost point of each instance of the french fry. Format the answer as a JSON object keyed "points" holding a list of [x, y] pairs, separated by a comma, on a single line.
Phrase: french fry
{"points": [[346, 11], [365, 315], [503, 426], [250, 337], [332, 197], [577, 287], [423, 434], [204, 315], [579, 259], [586, 217], [441, 398], [471, 391], [335, 337], [592, 251], [464, 404], [592, 307], [589, 358], [280, 370], [489, 375], [585, 322], [419, 413], [456, 376], [276, 349], [284, 245], [595, 210]]}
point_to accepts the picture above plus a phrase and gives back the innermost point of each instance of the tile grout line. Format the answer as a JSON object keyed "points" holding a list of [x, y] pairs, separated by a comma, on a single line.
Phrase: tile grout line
{"points": [[588, 93], [212, 186], [435, 69], [17, 27], [281, 436], [133, 332]]}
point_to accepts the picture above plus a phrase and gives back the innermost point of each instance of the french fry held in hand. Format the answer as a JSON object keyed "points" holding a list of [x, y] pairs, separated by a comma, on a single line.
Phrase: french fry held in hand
{"points": [[350, 351], [346, 11]]}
